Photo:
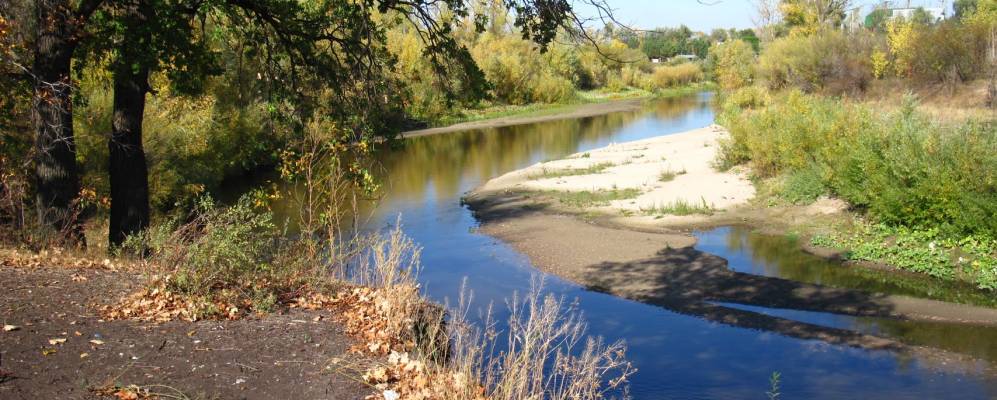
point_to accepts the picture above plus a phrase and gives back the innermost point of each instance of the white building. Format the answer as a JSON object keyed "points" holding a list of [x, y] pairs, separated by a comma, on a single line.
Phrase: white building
{"points": [[936, 13]]}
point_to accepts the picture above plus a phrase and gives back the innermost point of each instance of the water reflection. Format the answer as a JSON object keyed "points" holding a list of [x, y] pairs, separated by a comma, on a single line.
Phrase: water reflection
{"points": [[678, 356], [779, 256]]}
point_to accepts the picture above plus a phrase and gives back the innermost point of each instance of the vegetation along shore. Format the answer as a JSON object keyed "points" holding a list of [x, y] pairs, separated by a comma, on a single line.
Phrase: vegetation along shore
{"points": [[497, 199]]}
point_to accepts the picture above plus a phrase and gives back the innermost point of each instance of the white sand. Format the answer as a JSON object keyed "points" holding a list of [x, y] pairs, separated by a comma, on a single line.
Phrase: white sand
{"points": [[639, 165]]}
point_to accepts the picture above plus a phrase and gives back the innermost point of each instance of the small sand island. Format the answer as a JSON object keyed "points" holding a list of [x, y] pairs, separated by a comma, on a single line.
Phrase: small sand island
{"points": [[667, 177], [618, 219]]}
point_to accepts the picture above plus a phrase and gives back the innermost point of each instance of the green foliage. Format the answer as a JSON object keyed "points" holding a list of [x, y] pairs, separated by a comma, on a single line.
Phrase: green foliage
{"points": [[559, 173], [803, 186], [232, 255], [587, 198], [927, 251], [192, 144], [679, 207], [834, 60], [902, 169], [732, 63]]}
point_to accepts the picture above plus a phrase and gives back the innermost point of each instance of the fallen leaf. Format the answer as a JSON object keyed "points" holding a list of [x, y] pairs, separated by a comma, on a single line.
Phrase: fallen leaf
{"points": [[97, 342], [10, 328], [56, 341], [48, 352], [84, 355]]}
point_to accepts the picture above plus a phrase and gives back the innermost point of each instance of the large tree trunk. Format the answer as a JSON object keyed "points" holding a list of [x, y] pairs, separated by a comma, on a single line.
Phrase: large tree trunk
{"points": [[128, 169], [56, 177]]}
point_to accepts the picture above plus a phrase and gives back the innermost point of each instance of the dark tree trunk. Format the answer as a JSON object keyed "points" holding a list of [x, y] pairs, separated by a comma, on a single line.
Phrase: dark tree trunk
{"points": [[128, 170], [56, 177]]}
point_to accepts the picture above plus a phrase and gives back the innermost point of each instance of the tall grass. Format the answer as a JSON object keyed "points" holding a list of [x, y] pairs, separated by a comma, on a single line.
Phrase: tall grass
{"points": [[676, 75], [544, 353]]}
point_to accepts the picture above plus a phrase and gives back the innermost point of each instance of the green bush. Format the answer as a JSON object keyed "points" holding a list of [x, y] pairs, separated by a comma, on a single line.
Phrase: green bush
{"points": [[832, 60], [732, 63], [803, 186], [902, 169], [231, 255]]}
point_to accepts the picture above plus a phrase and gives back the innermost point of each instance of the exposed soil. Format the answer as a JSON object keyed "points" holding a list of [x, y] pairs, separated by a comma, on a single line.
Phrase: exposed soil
{"points": [[579, 111], [297, 354]]}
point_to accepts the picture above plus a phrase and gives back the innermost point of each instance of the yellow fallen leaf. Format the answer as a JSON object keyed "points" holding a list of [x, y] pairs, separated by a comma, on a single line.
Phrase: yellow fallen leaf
{"points": [[84, 355], [56, 341], [95, 341], [9, 328], [48, 352]]}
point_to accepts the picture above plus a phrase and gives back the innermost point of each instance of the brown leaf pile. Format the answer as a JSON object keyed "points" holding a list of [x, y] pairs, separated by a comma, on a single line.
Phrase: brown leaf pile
{"points": [[125, 393], [405, 378], [161, 305], [59, 258], [380, 318]]}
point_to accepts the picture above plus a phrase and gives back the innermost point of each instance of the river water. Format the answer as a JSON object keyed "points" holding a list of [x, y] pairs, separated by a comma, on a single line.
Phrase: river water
{"points": [[678, 356]]}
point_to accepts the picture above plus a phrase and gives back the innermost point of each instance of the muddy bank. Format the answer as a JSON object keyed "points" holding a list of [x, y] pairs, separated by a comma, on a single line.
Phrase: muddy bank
{"points": [[570, 112], [652, 260]]}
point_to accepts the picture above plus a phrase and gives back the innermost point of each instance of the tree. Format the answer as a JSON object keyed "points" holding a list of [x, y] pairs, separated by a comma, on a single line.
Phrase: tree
{"points": [[330, 52], [806, 17], [963, 8], [59, 25], [876, 20]]}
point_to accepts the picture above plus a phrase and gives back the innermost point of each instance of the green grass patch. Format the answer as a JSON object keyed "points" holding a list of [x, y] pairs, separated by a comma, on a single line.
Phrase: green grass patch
{"points": [[927, 251], [591, 198], [680, 207], [803, 186], [558, 173]]}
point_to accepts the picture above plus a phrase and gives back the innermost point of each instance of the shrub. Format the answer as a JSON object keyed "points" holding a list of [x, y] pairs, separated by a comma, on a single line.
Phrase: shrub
{"points": [[832, 59], [732, 63], [803, 186], [230, 256], [901, 168], [682, 74]]}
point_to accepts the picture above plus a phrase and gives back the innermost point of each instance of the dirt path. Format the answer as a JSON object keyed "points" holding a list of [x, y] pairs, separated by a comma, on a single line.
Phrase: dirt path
{"points": [[570, 112], [281, 356]]}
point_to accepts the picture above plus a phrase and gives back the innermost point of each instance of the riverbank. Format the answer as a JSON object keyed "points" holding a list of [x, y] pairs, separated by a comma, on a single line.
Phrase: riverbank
{"points": [[614, 221], [589, 104]]}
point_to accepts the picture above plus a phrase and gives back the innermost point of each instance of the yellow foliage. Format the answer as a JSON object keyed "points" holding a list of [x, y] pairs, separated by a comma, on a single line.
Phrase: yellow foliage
{"points": [[902, 37], [880, 64], [734, 61]]}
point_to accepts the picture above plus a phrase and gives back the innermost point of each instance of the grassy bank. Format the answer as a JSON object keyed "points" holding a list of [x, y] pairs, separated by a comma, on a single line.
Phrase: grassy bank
{"points": [[927, 191], [493, 111]]}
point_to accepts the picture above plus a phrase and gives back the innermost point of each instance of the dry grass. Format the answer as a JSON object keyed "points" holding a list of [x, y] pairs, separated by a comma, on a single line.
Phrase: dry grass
{"points": [[671, 76]]}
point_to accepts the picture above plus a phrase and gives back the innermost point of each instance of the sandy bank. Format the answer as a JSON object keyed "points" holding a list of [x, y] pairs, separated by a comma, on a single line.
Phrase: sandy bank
{"points": [[570, 112], [630, 247], [646, 180]]}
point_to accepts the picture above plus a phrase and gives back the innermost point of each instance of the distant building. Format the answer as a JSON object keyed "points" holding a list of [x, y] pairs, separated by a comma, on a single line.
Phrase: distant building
{"points": [[655, 60], [685, 57], [936, 13]]}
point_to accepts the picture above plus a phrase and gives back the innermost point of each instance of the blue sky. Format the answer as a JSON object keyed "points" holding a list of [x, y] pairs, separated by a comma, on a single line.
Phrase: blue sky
{"points": [[701, 17]]}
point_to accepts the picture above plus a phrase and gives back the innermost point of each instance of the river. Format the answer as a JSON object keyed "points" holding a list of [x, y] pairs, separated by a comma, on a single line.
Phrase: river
{"points": [[678, 356]]}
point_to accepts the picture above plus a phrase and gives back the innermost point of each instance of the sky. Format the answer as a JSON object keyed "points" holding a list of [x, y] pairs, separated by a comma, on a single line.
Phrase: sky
{"points": [[705, 17]]}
